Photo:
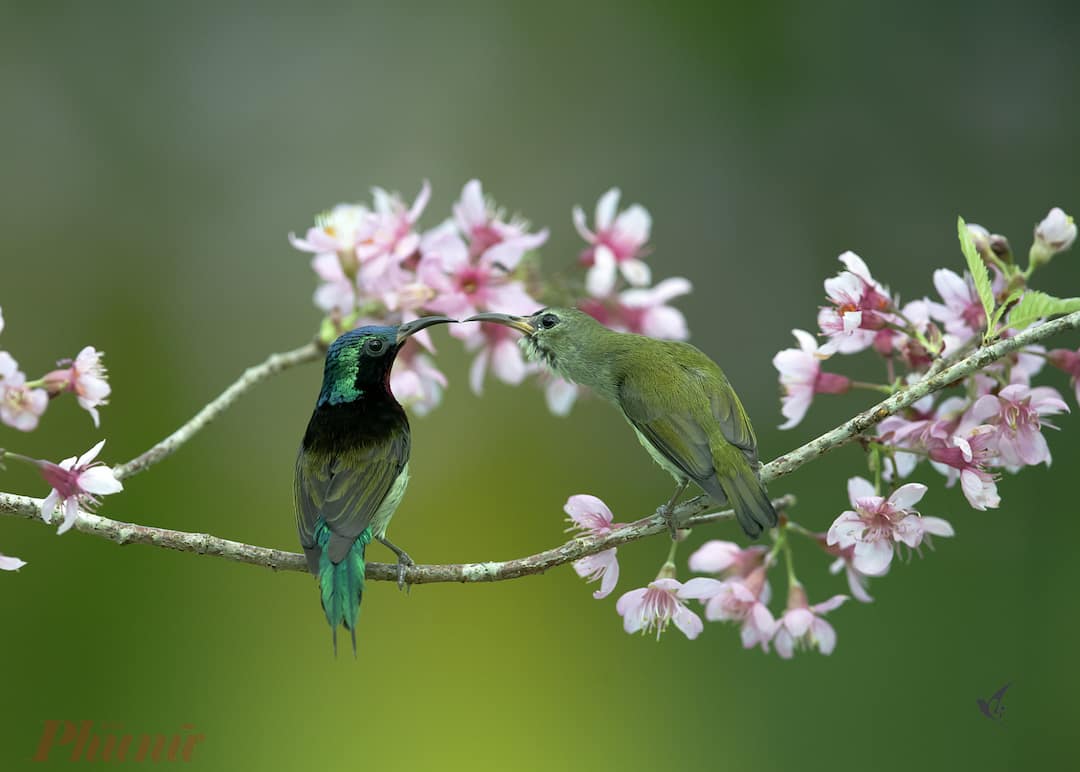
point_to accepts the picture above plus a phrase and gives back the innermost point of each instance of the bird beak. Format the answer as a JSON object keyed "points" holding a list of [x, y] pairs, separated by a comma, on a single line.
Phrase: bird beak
{"points": [[413, 327], [520, 323]]}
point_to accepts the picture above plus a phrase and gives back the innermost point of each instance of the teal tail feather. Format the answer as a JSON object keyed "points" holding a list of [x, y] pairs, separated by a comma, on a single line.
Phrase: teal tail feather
{"points": [[341, 584]]}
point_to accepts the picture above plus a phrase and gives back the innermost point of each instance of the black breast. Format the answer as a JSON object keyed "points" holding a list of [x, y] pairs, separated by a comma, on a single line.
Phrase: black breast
{"points": [[351, 424]]}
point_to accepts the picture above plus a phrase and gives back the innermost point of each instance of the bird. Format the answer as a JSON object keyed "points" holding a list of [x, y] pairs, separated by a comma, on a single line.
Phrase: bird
{"points": [[994, 707], [352, 467], [678, 401]]}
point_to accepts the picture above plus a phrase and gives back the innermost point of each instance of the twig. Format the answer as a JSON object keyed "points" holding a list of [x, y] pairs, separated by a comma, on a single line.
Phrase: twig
{"points": [[280, 560], [274, 364], [689, 512]]}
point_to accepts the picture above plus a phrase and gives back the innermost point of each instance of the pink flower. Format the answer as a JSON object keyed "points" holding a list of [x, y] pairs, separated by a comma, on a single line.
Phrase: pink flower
{"points": [[465, 286], [643, 311], [416, 382], [76, 483], [876, 523], [1069, 362], [338, 290], [802, 625], [7, 562], [861, 306], [1016, 412], [496, 348], [591, 516], [857, 580], [20, 407], [481, 223], [801, 377], [387, 238], [966, 456], [618, 242], [655, 606], [962, 312], [726, 558], [333, 242], [86, 378], [737, 600], [559, 394]]}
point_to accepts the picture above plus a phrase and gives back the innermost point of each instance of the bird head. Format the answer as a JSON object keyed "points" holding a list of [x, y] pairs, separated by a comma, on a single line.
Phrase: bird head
{"points": [[360, 360], [555, 335]]}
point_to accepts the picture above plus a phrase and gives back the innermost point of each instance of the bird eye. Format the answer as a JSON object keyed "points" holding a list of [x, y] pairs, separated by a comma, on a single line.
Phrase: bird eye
{"points": [[547, 321], [375, 346]]}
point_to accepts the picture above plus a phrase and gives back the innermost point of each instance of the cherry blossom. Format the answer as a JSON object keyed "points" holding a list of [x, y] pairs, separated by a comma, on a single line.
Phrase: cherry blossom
{"points": [[1016, 412], [802, 625], [1069, 362], [738, 600], [644, 310], [416, 382], [654, 607], [860, 306], [591, 516], [9, 563], [20, 406], [618, 243], [75, 483], [875, 524], [86, 377], [801, 377]]}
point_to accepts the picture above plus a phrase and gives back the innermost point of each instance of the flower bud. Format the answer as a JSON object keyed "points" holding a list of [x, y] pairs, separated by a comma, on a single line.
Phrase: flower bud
{"points": [[1054, 234]]}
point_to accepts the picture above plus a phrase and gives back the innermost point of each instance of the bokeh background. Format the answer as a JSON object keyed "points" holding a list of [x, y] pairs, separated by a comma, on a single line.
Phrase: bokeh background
{"points": [[153, 158]]}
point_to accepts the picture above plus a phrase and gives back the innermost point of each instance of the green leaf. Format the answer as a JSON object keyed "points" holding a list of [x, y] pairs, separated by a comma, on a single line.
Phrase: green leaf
{"points": [[1038, 305], [1014, 296], [978, 271]]}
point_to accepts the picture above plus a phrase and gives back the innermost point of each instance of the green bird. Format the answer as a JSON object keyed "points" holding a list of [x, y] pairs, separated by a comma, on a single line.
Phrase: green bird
{"points": [[353, 466], [678, 401]]}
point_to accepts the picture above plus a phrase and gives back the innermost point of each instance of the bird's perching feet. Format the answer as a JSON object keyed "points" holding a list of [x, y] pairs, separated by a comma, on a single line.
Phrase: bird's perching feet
{"points": [[403, 562], [668, 510]]}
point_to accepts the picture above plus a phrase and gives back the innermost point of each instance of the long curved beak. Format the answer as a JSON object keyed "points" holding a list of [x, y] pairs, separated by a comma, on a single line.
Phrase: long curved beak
{"points": [[413, 327], [520, 323]]}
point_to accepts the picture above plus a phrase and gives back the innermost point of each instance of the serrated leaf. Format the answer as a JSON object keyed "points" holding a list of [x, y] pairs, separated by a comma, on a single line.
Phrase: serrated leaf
{"points": [[978, 271], [1014, 296], [1037, 305]]}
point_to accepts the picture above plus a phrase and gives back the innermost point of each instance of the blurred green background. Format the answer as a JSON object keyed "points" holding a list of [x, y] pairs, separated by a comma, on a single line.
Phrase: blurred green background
{"points": [[154, 156]]}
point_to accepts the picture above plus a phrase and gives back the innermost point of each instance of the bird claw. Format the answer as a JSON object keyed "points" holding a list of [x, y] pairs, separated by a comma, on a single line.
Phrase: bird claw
{"points": [[403, 562], [667, 513]]}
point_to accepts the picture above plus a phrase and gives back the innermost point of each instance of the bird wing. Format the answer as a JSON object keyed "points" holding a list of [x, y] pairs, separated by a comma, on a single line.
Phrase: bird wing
{"points": [[345, 491], [677, 434]]}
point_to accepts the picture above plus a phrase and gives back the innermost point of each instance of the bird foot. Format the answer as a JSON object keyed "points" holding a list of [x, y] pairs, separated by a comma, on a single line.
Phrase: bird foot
{"points": [[403, 562], [667, 512]]}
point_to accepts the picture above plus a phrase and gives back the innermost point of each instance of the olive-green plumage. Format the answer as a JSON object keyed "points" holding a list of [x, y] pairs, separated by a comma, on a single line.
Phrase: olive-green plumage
{"points": [[678, 401], [353, 466]]}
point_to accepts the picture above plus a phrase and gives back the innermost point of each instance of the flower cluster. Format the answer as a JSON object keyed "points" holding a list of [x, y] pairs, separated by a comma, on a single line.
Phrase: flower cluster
{"points": [[991, 422], [376, 265], [75, 481]]}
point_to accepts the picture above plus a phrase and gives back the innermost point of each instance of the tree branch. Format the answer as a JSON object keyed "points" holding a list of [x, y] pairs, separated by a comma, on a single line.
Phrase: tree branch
{"points": [[280, 560], [274, 364], [690, 513]]}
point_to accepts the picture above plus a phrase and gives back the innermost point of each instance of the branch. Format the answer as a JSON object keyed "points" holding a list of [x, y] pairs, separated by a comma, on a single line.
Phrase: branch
{"points": [[690, 512], [280, 560], [274, 364]]}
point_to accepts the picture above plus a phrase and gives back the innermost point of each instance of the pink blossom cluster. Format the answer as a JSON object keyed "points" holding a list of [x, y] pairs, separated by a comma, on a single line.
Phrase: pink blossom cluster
{"points": [[75, 481], [375, 264], [992, 422]]}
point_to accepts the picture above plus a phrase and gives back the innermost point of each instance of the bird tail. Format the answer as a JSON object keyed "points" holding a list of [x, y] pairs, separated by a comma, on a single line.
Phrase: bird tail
{"points": [[747, 496], [341, 584]]}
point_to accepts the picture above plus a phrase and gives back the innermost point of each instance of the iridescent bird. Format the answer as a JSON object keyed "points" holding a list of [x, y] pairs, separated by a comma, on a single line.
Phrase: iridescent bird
{"points": [[353, 466], [678, 401]]}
